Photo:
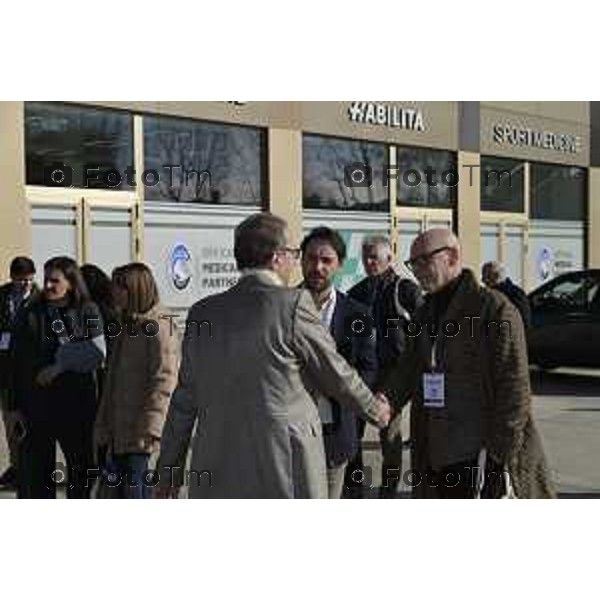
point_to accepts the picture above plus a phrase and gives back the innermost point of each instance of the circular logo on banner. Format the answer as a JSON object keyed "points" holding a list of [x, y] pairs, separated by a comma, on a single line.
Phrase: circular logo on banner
{"points": [[181, 267], [545, 263]]}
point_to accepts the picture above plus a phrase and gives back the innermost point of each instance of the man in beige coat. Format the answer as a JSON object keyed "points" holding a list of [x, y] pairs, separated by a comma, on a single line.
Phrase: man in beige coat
{"points": [[467, 374], [251, 357]]}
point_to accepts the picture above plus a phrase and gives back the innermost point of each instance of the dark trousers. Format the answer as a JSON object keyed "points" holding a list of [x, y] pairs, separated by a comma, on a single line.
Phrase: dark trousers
{"points": [[65, 413], [38, 473], [391, 451], [458, 480], [354, 474], [128, 476]]}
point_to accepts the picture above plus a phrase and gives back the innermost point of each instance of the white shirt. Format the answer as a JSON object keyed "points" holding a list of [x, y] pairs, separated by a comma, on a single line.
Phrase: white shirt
{"points": [[327, 310]]}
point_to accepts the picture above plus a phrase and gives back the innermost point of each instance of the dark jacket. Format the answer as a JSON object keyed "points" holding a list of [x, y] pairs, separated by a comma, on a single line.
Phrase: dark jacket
{"points": [[9, 316], [37, 346], [393, 301], [340, 437], [518, 297]]}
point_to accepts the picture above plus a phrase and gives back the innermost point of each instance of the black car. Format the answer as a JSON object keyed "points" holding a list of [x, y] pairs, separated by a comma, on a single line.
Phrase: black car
{"points": [[565, 328]]}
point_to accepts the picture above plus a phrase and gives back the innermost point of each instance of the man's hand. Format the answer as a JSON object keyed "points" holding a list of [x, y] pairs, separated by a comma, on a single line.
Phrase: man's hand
{"points": [[150, 444], [166, 492], [384, 410], [47, 375]]}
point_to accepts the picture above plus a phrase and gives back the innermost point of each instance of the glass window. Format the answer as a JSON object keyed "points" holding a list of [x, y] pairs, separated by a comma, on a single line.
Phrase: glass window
{"points": [[204, 162], [80, 146], [558, 192], [343, 174], [426, 178], [502, 184], [569, 293]]}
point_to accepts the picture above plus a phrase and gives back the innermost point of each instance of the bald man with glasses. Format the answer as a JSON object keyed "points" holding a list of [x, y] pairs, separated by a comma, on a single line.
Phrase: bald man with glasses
{"points": [[467, 374]]}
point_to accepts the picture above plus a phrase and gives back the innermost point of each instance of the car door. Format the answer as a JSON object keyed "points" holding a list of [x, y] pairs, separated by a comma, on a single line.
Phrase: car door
{"points": [[564, 331]]}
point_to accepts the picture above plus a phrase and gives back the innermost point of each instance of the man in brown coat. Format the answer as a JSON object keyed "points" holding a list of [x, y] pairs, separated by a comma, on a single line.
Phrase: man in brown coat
{"points": [[252, 356], [467, 373]]}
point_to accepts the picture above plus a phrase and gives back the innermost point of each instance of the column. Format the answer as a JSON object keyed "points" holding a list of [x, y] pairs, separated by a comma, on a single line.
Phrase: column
{"points": [[15, 223]]}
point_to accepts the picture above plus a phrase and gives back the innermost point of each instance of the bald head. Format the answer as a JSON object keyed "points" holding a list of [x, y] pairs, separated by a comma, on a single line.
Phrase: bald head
{"points": [[435, 258], [493, 273]]}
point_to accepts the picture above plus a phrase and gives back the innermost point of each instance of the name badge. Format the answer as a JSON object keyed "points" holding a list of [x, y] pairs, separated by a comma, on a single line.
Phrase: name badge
{"points": [[433, 390], [4, 340]]}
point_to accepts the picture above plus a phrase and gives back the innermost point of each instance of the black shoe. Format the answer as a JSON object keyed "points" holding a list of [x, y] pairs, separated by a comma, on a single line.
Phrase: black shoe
{"points": [[9, 478]]}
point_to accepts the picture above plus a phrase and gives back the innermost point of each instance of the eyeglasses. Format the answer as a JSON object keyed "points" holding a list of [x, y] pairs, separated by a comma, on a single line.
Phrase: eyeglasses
{"points": [[423, 259], [293, 252]]}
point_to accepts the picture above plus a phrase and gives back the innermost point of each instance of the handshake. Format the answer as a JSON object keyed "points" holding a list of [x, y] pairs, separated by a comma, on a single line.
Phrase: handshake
{"points": [[382, 413]]}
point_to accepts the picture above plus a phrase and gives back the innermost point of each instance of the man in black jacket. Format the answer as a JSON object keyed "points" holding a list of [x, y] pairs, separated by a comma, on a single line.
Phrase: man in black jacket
{"points": [[14, 296], [323, 253], [393, 300], [493, 275]]}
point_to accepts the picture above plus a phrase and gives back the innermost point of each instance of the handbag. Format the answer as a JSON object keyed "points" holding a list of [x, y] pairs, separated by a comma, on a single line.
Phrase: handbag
{"points": [[508, 490]]}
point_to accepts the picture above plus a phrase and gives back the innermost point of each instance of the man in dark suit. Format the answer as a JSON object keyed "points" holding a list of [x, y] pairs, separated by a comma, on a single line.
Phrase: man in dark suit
{"points": [[392, 299], [14, 296], [323, 253], [493, 275]]}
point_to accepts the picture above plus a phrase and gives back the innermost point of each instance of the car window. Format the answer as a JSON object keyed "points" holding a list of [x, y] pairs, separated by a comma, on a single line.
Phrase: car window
{"points": [[573, 293], [592, 291], [595, 300]]}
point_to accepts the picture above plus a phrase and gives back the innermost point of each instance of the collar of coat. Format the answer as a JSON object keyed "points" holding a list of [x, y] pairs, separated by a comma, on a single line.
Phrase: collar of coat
{"points": [[466, 301], [265, 276]]}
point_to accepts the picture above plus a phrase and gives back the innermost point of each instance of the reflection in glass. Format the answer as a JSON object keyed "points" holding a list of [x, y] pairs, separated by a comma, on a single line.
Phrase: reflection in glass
{"points": [[435, 184], [343, 174], [89, 142], [502, 184], [204, 162], [558, 192]]}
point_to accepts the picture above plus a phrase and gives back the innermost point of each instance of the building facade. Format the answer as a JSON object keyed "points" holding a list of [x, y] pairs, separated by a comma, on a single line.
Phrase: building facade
{"points": [[167, 182]]}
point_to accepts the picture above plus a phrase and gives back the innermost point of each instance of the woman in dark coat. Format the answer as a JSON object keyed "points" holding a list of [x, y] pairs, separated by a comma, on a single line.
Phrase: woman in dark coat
{"points": [[59, 345]]}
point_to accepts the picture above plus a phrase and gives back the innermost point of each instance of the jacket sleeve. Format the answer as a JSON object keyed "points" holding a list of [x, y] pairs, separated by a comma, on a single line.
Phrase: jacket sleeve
{"points": [[101, 427], [162, 377], [508, 391], [86, 353], [24, 359], [522, 303], [366, 357], [181, 418], [410, 296], [396, 306], [332, 374]]}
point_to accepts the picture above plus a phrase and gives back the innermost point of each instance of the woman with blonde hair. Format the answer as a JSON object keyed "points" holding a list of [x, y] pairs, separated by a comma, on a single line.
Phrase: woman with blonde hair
{"points": [[141, 376]]}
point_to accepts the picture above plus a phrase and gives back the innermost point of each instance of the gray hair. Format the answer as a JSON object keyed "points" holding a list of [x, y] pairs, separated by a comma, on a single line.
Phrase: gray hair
{"points": [[496, 270], [372, 241]]}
